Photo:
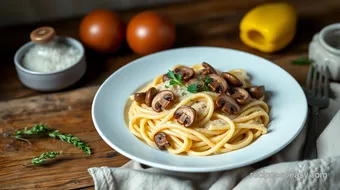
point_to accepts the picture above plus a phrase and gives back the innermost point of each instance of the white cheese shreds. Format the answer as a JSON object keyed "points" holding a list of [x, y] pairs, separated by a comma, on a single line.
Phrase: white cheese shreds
{"points": [[54, 56]]}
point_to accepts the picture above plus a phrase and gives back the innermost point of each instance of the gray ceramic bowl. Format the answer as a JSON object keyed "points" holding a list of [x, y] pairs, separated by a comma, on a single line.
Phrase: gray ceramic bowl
{"points": [[51, 81]]}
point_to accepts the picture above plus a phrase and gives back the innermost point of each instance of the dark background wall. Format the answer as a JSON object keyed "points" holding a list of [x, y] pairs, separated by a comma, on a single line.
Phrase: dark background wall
{"points": [[13, 12]]}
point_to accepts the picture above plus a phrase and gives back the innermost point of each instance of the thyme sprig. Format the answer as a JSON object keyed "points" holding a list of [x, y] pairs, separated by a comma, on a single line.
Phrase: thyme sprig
{"points": [[44, 130], [37, 129], [72, 140], [44, 157]]}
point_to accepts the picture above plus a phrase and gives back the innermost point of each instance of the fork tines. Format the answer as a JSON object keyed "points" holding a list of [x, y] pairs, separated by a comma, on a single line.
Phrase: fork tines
{"points": [[317, 81]]}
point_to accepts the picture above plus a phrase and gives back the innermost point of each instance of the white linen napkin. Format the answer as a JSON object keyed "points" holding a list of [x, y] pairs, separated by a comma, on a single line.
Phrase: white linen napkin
{"points": [[281, 171]]}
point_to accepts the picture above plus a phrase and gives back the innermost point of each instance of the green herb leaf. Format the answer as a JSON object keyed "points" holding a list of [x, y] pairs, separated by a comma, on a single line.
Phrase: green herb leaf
{"points": [[171, 74], [206, 88], [302, 61], [38, 129], [193, 88], [175, 80], [166, 86], [208, 80], [72, 140], [44, 156], [43, 130], [179, 77]]}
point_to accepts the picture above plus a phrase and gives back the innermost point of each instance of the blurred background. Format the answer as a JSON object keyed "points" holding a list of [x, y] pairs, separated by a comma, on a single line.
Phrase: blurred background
{"points": [[13, 12], [198, 23]]}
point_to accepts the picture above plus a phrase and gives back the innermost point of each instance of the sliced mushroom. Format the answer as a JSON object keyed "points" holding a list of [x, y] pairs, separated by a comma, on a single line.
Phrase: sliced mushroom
{"points": [[149, 95], [227, 104], [208, 69], [186, 72], [162, 140], [185, 115], [164, 99], [139, 97], [199, 83], [232, 79], [165, 77], [218, 84], [256, 91], [240, 95]]}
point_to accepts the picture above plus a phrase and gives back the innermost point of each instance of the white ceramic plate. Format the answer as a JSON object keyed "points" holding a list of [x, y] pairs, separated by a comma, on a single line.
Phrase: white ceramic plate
{"points": [[288, 108]]}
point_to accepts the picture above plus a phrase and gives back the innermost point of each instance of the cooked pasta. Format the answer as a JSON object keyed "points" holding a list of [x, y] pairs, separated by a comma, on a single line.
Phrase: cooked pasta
{"points": [[190, 111]]}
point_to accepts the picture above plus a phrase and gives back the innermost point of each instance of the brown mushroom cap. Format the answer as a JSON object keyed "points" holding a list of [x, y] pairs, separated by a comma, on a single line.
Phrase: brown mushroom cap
{"points": [[232, 79], [227, 104], [162, 140], [139, 97], [185, 115], [199, 83], [165, 77], [256, 91], [150, 94], [218, 84], [164, 99], [208, 69], [240, 95], [186, 72]]}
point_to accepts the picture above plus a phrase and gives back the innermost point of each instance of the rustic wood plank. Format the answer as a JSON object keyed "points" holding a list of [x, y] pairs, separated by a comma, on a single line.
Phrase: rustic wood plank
{"points": [[68, 112]]}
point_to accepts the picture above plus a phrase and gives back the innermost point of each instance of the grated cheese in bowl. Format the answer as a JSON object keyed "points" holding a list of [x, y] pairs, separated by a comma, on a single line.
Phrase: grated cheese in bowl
{"points": [[54, 56]]}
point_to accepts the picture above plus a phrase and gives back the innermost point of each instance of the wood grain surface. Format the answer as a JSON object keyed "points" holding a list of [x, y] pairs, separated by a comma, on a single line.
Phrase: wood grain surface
{"points": [[199, 23]]}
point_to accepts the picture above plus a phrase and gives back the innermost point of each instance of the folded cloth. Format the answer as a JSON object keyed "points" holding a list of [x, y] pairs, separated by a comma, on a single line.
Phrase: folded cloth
{"points": [[281, 171]]}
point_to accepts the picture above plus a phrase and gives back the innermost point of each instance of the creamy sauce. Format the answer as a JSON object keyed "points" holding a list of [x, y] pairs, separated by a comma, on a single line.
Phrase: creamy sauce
{"points": [[199, 106], [180, 91], [216, 124]]}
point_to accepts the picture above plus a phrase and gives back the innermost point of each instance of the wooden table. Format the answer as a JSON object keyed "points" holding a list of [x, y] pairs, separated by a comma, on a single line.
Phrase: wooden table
{"points": [[199, 23]]}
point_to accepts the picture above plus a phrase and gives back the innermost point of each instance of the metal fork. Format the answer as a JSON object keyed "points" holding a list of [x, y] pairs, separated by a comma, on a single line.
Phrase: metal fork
{"points": [[317, 93]]}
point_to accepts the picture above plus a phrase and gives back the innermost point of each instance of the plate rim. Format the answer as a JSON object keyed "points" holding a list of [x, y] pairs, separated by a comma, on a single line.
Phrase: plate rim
{"points": [[194, 169]]}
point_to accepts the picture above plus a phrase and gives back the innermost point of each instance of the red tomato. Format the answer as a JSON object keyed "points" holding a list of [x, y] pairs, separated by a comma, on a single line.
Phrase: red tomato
{"points": [[149, 32], [102, 31]]}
